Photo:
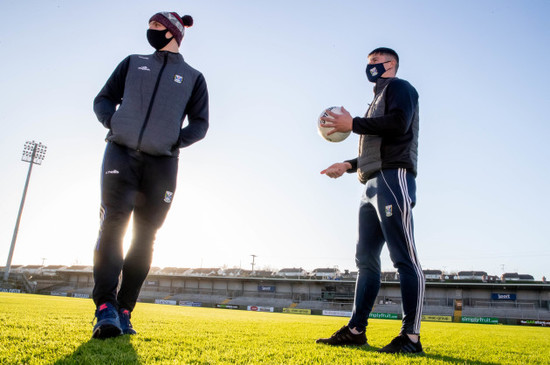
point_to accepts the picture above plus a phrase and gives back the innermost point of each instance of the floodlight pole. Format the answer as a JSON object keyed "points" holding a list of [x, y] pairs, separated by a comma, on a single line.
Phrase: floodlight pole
{"points": [[253, 261], [33, 153]]}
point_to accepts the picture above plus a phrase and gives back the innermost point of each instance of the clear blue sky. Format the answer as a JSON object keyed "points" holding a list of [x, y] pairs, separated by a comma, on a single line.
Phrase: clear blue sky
{"points": [[253, 185]]}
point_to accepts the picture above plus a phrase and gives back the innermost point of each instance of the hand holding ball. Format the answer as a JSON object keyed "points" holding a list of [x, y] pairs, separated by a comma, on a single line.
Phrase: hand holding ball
{"points": [[323, 131]]}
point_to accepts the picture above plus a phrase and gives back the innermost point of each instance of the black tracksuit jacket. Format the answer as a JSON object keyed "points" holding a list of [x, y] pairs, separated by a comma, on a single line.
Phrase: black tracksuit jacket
{"points": [[154, 93]]}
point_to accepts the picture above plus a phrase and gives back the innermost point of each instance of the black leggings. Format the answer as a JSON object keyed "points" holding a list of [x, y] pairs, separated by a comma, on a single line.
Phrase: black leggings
{"points": [[138, 183]]}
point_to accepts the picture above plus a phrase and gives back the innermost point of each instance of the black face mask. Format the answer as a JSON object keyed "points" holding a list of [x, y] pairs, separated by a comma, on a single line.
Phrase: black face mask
{"points": [[157, 38], [375, 71]]}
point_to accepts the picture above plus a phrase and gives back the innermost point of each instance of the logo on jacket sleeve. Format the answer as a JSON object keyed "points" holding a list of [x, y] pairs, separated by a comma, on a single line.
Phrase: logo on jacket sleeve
{"points": [[178, 79], [168, 195], [389, 210]]}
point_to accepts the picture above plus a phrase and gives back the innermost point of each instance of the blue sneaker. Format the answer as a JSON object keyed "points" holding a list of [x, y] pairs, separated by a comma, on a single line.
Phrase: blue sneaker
{"points": [[125, 324], [108, 323]]}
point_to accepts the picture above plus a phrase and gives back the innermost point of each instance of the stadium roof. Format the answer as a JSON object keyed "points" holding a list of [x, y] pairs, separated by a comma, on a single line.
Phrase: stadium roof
{"points": [[293, 269]]}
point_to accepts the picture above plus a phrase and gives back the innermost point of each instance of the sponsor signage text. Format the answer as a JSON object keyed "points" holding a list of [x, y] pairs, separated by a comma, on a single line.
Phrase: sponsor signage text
{"points": [[384, 315], [227, 306], [484, 320], [534, 322], [58, 294], [165, 301], [500, 296], [256, 308], [296, 310], [266, 288], [336, 313], [190, 304], [437, 318]]}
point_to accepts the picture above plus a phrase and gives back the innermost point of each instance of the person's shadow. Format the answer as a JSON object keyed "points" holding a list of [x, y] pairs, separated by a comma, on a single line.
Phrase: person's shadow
{"points": [[443, 358], [118, 350]]}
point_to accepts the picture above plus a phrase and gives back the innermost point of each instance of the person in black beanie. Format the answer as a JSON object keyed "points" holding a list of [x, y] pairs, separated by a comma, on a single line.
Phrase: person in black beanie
{"points": [[143, 105]]}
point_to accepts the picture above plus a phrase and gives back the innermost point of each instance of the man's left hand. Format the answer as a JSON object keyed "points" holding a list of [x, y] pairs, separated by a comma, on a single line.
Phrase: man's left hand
{"points": [[339, 122]]}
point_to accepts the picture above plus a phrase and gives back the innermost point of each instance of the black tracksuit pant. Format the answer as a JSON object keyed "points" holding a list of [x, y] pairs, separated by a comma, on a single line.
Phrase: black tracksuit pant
{"points": [[138, 183], [385, 216]]}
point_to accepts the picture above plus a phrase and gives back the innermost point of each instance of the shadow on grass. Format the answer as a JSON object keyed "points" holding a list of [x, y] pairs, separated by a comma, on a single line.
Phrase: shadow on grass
{"points": [[118, 350], [428, 356]]}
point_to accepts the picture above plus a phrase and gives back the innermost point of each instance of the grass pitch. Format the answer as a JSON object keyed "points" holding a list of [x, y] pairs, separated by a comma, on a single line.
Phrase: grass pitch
{"points": [[38, 329]]}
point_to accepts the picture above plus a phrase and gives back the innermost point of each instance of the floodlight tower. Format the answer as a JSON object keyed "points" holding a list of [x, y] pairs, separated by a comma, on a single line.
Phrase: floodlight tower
{"points": [[33, 153], [253, 261]]}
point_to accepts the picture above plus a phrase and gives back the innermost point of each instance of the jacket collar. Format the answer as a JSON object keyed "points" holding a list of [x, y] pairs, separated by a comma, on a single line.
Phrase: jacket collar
{"points": [[172, 57], [381, 84]]}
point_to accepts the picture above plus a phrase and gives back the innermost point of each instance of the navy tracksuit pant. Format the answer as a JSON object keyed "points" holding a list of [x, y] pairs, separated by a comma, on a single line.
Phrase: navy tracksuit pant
{"points": [[132, 183], [385, 216]]}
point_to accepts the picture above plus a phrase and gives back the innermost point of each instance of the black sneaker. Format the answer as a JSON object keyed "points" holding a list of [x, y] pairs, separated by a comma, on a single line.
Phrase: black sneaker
{"points": [[344, 337], [402, 344], [108, 324], [125, 324]]}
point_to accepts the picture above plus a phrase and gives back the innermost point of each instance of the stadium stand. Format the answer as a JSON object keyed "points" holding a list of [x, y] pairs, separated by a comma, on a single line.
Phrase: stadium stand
{"points": [[438, 310], [518, 296]]}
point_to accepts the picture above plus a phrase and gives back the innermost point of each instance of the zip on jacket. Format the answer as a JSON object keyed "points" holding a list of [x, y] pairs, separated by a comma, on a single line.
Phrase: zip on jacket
{"points": [[151, 103]]}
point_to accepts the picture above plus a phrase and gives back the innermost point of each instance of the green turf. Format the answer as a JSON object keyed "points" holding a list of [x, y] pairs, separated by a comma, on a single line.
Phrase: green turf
{"points": [[38, 329]]}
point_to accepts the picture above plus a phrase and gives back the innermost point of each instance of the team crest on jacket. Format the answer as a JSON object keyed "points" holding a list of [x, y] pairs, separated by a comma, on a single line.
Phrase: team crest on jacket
{"points": [[389, 210], [168, 196], [178, 79]]}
